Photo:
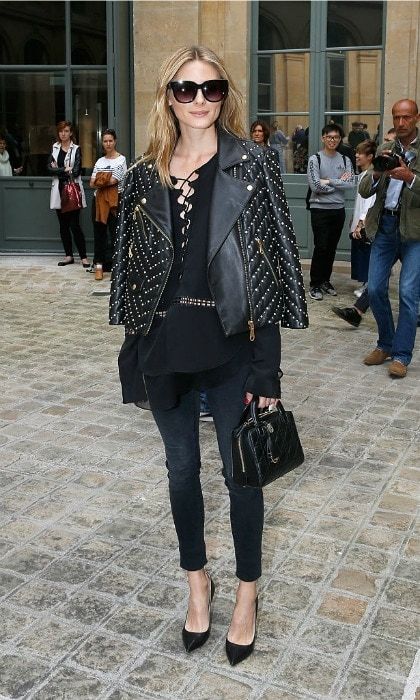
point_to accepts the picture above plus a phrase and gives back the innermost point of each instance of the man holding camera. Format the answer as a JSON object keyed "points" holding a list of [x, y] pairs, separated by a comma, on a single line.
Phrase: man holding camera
{"points": [[393, 223]]}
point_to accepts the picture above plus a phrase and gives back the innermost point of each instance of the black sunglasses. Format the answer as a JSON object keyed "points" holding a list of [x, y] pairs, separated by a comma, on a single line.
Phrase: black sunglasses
{"points": [[185, 91]]}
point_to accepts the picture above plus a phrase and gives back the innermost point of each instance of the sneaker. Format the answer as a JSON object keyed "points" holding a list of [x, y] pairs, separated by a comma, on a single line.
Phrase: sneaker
{"points": [[206, 417], [349, 314], [397, 369], [316, 293], [358, 292], [327, 288]]}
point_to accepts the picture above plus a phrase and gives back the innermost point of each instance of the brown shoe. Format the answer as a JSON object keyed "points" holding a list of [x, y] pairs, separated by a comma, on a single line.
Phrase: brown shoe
{"points": [[99, 273], [376, 357], [397, 369]]}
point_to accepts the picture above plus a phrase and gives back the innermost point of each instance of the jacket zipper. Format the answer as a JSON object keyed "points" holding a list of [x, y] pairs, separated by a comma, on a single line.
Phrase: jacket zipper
{"points": [[265, 256], [251, 324], [138, 208]]}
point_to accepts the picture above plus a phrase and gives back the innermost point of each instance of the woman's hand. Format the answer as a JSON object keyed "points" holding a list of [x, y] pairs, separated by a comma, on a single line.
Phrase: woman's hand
{"points": [[357, 233], [263, 401]]}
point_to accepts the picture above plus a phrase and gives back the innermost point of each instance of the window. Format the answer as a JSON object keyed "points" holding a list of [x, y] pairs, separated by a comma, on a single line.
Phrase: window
{"points": [[31, 106], [345, 61], [354, 23], [88, 33], [283, 25], [34, 31], [33, 99]]}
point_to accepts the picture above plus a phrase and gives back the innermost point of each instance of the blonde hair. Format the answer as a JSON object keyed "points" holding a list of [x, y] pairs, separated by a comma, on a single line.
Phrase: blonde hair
{"points": [[163, 126]]}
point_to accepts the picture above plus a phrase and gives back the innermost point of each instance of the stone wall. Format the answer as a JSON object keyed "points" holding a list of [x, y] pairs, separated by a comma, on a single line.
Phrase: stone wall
{"points": [[160, 28], [402, 55]]}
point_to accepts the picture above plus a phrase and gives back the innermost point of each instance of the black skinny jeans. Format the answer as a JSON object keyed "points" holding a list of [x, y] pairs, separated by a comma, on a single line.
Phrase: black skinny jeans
{"points": [[69, 224], [179, 430], [327, 225], [100, 237]]}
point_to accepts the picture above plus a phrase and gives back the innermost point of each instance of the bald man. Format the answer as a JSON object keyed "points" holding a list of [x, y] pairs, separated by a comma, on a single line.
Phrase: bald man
{"points": [[393, 224]]}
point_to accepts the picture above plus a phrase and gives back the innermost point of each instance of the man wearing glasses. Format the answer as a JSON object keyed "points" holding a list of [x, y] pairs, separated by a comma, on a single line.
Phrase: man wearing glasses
{"points": [[330, 174]]}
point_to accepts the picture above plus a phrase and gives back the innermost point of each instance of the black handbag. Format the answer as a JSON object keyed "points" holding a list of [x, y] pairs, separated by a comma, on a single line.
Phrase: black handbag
{"points": [[265, 446]]}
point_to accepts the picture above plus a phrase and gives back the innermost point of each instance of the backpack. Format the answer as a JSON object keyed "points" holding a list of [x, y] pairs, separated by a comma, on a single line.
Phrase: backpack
{"points": [[309, 192]]}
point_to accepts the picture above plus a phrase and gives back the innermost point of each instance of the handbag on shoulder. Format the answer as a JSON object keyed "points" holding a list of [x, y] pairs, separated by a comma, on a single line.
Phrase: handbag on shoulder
{"points": [[71, 196], [265, 446]]}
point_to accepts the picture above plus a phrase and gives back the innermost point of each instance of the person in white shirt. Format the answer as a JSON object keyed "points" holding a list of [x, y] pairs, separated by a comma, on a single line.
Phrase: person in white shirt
{"points": [[107, 178]]}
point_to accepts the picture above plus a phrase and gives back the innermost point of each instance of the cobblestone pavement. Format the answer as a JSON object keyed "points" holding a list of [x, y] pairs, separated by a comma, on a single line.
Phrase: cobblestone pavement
{"points": [[91, 597]]}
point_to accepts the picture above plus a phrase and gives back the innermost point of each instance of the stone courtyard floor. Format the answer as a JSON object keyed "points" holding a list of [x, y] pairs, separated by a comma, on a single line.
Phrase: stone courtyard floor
{"points": [[91, 597]]}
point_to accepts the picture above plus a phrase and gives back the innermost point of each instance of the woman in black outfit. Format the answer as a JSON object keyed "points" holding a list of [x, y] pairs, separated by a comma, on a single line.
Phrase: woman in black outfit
{"points": [[65, 161], [203, 229]]}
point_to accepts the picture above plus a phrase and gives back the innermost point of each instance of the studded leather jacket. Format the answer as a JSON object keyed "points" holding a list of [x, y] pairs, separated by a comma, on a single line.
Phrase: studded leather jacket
{"points": [[253, 264]]}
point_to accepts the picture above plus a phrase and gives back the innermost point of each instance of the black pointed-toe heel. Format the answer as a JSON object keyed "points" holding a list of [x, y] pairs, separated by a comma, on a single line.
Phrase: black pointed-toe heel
{"points": [[195, 640], [239, 652]]}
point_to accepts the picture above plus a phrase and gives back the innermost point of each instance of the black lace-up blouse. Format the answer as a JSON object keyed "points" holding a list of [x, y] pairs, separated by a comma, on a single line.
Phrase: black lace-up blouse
{"points": [[186, 347]]}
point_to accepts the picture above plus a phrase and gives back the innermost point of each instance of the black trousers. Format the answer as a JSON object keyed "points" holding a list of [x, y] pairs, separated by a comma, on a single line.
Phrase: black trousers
{"points": [[100, 239], [69, 224], [363, 301], [179, 428], [327, 225]]}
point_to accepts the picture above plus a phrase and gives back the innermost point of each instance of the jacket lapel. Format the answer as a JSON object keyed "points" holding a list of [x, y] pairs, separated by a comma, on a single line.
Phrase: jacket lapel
{"points": [[157, 206], [230, 195]]}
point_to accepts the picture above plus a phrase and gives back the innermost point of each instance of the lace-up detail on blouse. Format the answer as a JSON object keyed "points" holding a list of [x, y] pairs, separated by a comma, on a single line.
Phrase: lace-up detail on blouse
{"points": [[185, 198]]}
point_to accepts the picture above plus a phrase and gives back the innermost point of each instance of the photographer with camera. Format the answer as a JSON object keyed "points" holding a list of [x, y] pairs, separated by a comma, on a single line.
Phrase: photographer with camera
{"points": [[393, 224]]}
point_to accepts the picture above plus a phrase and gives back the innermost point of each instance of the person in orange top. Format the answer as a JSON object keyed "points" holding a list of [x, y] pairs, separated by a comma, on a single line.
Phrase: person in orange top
{"points": [[107, 178]]}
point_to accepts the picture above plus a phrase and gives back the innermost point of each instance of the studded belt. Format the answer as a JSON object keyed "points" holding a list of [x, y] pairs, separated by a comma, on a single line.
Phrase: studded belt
{"points": [[189, 301]]}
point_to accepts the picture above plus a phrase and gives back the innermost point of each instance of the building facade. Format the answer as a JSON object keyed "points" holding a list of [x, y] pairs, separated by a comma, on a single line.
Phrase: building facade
{"points": [[298, 63]]}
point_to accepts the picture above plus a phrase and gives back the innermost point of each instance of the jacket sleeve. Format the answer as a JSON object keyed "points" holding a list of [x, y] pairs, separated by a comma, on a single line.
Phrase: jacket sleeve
{"points": [[367, 188], [295, 314], [265, 375], [56, 172], [77, 166], [314, 181], [121, 250]]}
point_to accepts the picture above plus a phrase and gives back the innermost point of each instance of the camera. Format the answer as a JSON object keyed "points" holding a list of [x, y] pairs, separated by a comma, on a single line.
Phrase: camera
{"points": [[389, 162], [385, 162]]}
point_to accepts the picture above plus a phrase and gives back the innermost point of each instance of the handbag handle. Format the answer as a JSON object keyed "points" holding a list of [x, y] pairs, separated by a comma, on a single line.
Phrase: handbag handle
{"points": [[253, 409]]}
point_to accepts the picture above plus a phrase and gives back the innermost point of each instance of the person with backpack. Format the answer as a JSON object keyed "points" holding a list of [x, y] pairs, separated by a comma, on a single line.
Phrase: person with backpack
{"points": [[330, 174]]}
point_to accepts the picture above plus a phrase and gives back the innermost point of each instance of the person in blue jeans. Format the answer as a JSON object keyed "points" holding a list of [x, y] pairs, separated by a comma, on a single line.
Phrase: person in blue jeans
{"points": [[395, 219], [205, 412]]}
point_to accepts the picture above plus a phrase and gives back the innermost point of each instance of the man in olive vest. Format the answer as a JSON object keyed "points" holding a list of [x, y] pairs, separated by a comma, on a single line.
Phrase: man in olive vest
{"points": [[393, 224]]}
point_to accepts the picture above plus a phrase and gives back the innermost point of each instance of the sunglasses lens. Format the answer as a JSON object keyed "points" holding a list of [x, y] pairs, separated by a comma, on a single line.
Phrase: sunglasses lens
{"points": [[215, 90], [184, 90]]}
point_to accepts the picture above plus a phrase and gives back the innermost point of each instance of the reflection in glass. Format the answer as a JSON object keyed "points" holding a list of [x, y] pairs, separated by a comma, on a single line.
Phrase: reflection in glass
{"points": [[32, 33], [294, 153], [90, 114], [353, 83], [31, 104], [354, 23], [357, 127], [88, 33], [283, 82], [283, 25]]}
